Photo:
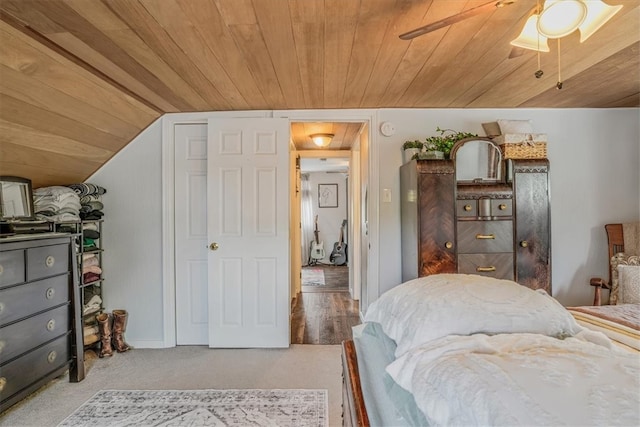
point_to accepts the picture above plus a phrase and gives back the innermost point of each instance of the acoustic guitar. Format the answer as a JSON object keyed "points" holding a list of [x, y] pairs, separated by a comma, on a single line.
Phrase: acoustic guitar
{"points": [[339, 254], [317, 247]]}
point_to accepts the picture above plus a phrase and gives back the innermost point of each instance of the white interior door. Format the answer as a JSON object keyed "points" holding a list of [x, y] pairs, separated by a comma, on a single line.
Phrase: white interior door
{"points": [[191, 234], [248, 224]]}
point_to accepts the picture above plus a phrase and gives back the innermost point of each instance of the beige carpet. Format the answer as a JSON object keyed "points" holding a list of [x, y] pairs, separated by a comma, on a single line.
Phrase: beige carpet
{"points": [[189, 368]]}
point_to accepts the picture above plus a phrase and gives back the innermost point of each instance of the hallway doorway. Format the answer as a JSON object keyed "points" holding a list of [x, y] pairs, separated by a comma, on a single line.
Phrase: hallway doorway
{"points": [[325, 307]]}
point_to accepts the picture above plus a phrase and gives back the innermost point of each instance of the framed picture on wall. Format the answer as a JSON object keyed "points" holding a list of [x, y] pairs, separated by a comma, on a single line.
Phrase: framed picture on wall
{"points": [[328, 195]]}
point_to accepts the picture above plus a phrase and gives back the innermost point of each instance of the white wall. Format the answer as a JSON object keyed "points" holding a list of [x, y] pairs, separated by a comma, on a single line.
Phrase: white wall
{"points": [[329, 219], [132, 236], [594, 155]]}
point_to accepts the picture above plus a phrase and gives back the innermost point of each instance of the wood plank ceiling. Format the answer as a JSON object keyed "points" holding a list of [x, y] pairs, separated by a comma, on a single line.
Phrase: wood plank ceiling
{"points": [[79, 79]]}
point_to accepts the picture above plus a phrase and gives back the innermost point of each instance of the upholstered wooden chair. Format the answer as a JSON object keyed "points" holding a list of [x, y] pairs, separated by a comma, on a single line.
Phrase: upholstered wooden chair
{"points": [[617, 256]]}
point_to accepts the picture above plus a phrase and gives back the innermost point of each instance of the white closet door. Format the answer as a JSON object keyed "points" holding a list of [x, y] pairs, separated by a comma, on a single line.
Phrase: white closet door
{"points": [[248, 222], [192, 310]]}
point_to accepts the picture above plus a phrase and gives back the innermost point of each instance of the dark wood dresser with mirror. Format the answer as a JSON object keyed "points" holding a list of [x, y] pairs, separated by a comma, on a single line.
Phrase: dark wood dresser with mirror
{"points": [[477, 213], [40, 312]]}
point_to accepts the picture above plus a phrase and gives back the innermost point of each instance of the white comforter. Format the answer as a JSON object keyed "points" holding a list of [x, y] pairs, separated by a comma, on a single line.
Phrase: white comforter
{"points": [[521, 379]]}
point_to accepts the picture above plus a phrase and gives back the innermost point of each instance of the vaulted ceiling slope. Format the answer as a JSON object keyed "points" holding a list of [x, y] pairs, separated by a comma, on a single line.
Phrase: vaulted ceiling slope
{"points": [[80, 78]]}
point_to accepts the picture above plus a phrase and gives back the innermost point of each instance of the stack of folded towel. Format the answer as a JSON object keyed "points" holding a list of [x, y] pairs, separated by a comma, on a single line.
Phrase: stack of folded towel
{"points": [[91, 270], [56, 203], [90, 199]]}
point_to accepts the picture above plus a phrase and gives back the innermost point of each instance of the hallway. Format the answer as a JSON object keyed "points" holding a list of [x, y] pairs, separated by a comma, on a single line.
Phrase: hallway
{"points": [[324, 314]]}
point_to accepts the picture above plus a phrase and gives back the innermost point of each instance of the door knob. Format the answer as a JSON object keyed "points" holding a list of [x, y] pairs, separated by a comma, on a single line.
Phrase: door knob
{"points": [[214, 246]]}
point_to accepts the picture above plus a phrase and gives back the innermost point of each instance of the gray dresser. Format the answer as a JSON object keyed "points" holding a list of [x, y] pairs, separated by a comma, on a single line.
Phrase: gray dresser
{"points": [[39, 314]]}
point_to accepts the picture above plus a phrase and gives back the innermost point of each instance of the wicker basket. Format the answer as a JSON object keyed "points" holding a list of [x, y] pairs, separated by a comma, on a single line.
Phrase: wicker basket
{"points": [[522, 145], [524, 150]]}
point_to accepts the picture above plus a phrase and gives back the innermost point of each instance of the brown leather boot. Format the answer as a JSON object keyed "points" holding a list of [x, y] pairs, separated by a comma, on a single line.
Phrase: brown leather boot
{"points": [[119, 326], [104, 328]]}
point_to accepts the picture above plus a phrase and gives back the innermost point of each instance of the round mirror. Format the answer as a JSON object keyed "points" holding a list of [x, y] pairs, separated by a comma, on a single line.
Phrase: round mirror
{"points": [[477, 160]]}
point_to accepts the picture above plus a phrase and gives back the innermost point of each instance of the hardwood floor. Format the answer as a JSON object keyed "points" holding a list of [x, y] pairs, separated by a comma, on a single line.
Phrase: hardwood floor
{"points": [[324, 316]]}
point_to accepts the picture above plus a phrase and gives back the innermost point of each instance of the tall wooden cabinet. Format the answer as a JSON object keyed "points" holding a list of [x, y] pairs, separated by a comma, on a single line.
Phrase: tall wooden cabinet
{"points": [[498, 227]]}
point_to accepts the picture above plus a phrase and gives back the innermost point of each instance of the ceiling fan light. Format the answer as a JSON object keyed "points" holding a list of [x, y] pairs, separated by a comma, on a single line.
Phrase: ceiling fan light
{"points": [[322, 139], [561, 17], [529, 38], [598, 13]]}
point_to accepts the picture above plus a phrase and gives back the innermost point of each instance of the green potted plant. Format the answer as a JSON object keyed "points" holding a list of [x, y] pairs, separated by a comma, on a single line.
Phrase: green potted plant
{"points": [[445, 141], [411, 149]]}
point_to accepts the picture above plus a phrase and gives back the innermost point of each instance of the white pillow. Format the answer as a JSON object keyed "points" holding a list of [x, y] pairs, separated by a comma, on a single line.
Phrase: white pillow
{"points": [[432, 307], [515, 126], [628, 284]]}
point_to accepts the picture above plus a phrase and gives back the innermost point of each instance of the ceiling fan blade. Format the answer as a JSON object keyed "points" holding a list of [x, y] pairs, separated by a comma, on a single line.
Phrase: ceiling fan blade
{"points": [[455, 18]]}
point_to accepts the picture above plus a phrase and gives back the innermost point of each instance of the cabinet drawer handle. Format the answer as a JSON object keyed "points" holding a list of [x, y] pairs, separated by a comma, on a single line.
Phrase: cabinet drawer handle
{"points": [[49, 261], [485, 236], [485, 269], [3, 382], [1, 269], [467, 208], [1, 307], [448, 245], [51, 357], [51, 325], [50, 293], [524, 244], [502, 206], [2, 345]]}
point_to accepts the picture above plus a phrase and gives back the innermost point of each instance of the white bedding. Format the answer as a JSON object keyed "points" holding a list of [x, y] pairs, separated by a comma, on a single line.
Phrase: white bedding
{"points": [[521, 379], [432, 307]]}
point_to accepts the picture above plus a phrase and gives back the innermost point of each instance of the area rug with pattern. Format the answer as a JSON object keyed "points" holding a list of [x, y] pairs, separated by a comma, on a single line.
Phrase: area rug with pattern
{"points": [[242, 408], [312, 277]]}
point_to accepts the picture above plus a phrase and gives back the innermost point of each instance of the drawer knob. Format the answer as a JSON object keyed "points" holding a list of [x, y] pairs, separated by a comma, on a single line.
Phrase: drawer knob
{"points": [[485, 236], [2, 345], [1, 269], [467, 208], [485, 269], [1, 307], [3, 382], [50, 293], [448, 245], [502, 206], [49, 261], [51, 357], [524, 243], [51, 325]]}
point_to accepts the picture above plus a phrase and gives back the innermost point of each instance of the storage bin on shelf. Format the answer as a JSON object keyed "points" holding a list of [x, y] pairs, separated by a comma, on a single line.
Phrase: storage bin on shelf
{"points": [[522, 145]]}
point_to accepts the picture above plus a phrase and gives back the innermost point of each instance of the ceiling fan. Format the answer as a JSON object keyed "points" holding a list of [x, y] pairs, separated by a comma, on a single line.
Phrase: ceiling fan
{"points": [[486, 7], [549, 19]]}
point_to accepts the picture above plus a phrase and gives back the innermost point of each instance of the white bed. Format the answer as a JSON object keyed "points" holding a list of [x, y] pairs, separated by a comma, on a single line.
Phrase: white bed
{"points": [[621, 323], [470, 350]]}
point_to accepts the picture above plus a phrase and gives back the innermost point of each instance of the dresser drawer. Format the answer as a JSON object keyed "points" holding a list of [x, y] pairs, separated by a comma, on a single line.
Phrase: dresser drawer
{"points": [[501, 207], [11, 267], [31, 367], [45, 261], [24, 300], [20, 337], [485, 236], [499, 266], [466, 208]]}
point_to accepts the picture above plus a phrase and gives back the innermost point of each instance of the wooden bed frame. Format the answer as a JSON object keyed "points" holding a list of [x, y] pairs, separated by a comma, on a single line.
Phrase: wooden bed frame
{"points": [[354, 412]]}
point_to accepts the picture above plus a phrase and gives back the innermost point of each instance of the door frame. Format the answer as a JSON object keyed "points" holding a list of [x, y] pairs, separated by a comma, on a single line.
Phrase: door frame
{"points": [[296, 264], [168, 195]]}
